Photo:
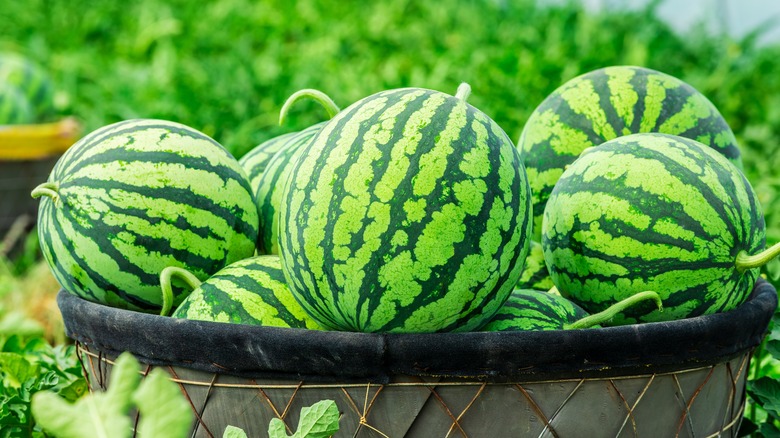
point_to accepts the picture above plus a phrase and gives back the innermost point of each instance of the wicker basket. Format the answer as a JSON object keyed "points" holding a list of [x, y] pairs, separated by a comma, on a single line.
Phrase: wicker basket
{"points": [[27, 155], [682, 378]]}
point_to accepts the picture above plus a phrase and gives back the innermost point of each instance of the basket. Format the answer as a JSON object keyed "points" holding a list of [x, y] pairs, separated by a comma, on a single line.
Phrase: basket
{"points": [[27, 155], [682, 378]]}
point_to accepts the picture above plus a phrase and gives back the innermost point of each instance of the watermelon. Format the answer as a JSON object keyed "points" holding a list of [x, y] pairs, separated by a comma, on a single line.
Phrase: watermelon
{"points": [[409, 211], [135, 197], [654, 212], [256, 160], [534, 310], [270, 186], [535, 275], [608, 103], [34, 82], [14, 106], [249, 291]]}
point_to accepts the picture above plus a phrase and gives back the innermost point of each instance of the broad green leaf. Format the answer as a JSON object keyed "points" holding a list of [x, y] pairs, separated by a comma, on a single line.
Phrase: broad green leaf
{"points": [[234, 432], [99, 415], [164, 410], [767, 392], [769, 430], [319, 420], [276, 429], [15, 369]]}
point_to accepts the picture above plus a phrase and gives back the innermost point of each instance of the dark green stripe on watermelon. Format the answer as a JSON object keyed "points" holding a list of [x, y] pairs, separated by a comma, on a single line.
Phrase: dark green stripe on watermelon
{"points": [[652, 212], [250, 291], [408, 211], [136, 197], [608, 103], [532, 310]]}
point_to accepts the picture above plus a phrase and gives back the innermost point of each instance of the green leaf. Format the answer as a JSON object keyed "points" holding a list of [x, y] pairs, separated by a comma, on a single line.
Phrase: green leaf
{"points": [[319, 420], [277, 430], [163, 408], [767, 392], [769, 430], [100, 415], [16, 369], [236, 432]]}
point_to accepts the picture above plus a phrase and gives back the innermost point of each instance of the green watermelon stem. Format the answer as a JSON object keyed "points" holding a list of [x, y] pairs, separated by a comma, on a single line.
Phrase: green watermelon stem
{"points": [[464, 91], [320, 97], [606, 315], [50, 189], [166, 276], [745, 261]]}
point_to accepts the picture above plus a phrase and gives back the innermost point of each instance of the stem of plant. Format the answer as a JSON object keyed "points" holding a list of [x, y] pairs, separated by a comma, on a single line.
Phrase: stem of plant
{"points": [[50, 189], [464, 91], [166, 276], [609, 313], [320, 97], [745, 261]]}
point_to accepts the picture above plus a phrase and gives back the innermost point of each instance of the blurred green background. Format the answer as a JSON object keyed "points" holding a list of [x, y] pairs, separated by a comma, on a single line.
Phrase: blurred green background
{"points": [[225, 67]]}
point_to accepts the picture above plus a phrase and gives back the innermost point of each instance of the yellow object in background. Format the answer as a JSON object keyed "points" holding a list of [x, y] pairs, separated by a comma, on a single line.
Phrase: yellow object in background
{"points": [[26, 142]]}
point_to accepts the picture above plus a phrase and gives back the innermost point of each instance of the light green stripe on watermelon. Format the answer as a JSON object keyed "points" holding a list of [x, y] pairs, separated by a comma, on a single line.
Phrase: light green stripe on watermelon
{"points": [[604, 104], [134, 197], [251, 291], [652, 212], [406, 213], [535, 275]]}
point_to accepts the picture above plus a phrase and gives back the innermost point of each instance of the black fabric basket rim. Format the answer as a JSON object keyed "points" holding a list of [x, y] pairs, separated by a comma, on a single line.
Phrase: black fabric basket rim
{"points": [[329, 356]]}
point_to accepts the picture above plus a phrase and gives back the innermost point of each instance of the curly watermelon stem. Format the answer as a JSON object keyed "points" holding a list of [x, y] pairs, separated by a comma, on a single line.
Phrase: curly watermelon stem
{"points": [[745, 261], [50, 189], [611, 311], [464, 91], [166, 277], [320, 97]]}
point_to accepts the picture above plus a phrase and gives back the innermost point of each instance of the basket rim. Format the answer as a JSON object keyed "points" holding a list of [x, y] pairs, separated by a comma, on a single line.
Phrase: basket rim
{"points": [[301, 354]]}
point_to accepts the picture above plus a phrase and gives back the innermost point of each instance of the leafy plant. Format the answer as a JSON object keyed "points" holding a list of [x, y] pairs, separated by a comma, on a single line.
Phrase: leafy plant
{"points": [[164, 412], [762, 414], [319, 420]]}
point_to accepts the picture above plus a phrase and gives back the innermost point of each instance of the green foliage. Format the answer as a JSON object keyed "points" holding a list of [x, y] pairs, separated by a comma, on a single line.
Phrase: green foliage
{"points": [[164, 412], [320, 420], [29, 367]]}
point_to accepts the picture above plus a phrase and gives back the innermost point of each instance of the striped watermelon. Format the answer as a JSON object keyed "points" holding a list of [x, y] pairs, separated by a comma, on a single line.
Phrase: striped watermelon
{"points": [[250, 291], [269, 188], [256, 160], [534, 310], [31, 79], [14, 106], [408, 212], [134, 197], [653, 212], [535, 275], [607, 103]]}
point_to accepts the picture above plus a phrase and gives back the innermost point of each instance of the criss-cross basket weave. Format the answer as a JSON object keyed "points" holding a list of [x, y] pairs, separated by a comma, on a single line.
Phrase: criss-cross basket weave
{"points": [[683, 378]]}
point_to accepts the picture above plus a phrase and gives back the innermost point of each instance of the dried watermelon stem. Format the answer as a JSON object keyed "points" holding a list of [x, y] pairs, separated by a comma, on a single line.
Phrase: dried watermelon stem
{"points": [[745, 261], [611, 311], [320, 97], [166, 277]]}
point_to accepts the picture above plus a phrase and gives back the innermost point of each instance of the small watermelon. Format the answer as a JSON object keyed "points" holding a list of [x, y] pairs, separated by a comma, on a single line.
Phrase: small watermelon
{"points": [[250, 291], [408, 211], [34, 82], [534, 310], [255, 161], [14, 106], [535, 275], [608, 103], [653, 212], [135, 197]]}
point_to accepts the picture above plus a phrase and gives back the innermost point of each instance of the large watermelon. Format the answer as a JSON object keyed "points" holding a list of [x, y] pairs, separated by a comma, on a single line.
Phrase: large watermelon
{"points": [[653, 212], [134, 197], [408, 212], [608, 103], [250, 291]]}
